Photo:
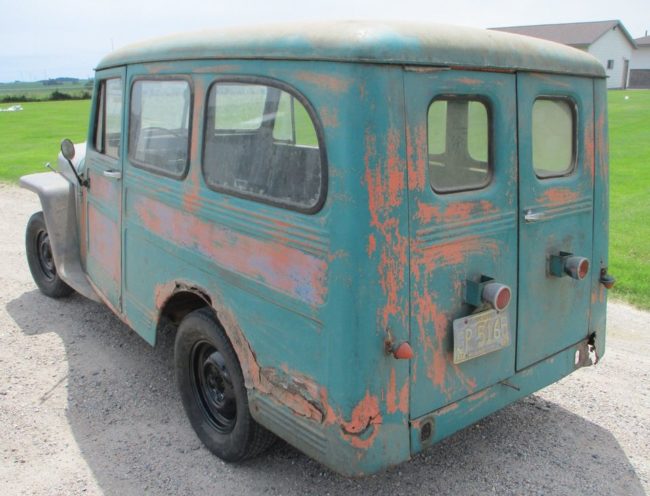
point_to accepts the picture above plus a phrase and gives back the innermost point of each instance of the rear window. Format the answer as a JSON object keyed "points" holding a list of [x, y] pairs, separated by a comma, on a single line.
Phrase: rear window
{"points": [[553, 137], [458, 144], [159, 126], [261, 143]]}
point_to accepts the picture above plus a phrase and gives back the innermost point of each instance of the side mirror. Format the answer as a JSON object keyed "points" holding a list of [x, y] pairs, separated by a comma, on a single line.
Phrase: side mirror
{"points": [[67, 149]]}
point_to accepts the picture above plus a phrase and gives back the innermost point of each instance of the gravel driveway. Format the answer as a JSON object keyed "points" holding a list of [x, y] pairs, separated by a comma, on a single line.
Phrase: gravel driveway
{"points": [[87, 407]]}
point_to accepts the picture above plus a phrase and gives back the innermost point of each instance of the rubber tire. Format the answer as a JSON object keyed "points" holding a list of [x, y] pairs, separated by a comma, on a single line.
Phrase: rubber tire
{"points": [[54, 287], [247, 438]]}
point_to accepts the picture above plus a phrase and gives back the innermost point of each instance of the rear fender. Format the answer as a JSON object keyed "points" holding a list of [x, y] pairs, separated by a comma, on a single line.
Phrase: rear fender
{"points": [[59, 204]]}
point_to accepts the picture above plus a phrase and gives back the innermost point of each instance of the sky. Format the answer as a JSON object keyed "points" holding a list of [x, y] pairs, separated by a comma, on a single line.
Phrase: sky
{"points": [[56, 38]]}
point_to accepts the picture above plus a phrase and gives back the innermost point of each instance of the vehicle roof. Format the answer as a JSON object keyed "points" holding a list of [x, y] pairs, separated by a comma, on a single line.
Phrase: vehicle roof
{"points": [[380, 42]]}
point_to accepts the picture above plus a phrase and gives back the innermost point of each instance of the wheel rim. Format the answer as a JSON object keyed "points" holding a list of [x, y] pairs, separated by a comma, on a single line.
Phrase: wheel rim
{"points": [[212, 386], [45, 258]]}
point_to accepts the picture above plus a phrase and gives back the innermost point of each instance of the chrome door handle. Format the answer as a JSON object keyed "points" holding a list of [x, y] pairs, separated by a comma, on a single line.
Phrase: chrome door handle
{"points": [[531, 216], [113, 174]]}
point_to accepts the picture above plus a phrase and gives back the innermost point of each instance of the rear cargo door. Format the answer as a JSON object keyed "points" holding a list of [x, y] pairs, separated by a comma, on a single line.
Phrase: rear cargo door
{"points": [[462, 179], [556, 153]]}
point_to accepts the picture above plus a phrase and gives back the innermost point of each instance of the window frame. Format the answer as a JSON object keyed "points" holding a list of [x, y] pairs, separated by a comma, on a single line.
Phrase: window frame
{"points": [[100, 113], [148, 167], [487, 103], [320, 135], [574, 135]]}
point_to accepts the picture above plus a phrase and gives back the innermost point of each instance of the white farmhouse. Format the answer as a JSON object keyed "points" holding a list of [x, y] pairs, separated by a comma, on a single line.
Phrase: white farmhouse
{"points": [[640, 65], [608, 41]]}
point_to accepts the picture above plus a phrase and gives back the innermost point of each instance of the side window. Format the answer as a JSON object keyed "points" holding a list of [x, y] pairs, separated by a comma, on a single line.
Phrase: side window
{"points": [[108, 128], [458, 144], [159, 126], [261, 143], [553, 130]]}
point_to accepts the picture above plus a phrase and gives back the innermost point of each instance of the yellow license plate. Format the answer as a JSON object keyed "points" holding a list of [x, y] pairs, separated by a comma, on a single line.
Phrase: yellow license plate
{"points": [[480, 334]]}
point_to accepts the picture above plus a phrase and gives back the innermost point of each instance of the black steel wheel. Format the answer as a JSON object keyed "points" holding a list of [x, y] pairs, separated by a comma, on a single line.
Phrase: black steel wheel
{"points": [[41, 260], [211, 385]]}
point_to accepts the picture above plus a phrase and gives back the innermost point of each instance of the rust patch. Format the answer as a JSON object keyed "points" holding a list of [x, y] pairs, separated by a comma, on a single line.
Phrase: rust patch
{"points": [[104, 189], [458, 211], [385, 189], [329, 117], [287, 269], [104, 243], [218, 68], [453, 252], [158, 68], [471, 81], [395, 401], [372, 244], [560, 196], [418, 157], [325, 81], [363, 427], [296, 391]]}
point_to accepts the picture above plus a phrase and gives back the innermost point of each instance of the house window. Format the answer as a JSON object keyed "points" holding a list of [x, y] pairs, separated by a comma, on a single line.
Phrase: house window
{"points": [[610, 64]]}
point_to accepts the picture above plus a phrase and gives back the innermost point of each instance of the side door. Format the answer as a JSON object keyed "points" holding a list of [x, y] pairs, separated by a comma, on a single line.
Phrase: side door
{"points": [[462, 180], [556, 153], [104, 195]]}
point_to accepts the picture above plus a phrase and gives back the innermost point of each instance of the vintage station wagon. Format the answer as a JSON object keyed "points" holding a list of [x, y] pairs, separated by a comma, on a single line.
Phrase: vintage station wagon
{"points": [[367, 235]]}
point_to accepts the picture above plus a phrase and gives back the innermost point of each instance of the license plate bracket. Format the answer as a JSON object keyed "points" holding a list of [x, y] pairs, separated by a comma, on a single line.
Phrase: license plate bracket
{"points": [[479, 334]]}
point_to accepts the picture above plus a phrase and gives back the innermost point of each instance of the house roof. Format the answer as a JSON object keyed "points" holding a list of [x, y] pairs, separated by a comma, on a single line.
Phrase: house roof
{"points": [[644, 41], [577, 34]]}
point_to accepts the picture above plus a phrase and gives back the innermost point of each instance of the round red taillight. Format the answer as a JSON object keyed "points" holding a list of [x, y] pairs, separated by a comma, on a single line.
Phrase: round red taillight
{"points": [[583, 269], [577, 267], [497, 295], [503, 298]]}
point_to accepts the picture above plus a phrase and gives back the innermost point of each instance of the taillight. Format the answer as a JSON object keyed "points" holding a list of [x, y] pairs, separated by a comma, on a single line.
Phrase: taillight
{"points": [[577, 267], [497, 295]]}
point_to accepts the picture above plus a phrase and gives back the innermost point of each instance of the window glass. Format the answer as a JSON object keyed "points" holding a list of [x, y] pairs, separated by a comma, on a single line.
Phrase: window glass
{"points": [[159, 125], [458, 144], [108, 132], [239, 107], [553, 137], [261, 143]]}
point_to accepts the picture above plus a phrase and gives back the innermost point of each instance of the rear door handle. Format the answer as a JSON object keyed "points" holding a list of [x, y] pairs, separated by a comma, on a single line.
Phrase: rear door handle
{"points": [[113, 174], [531, 216]]}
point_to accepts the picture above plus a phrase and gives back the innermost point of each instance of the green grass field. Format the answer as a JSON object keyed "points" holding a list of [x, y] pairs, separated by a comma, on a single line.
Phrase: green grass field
{"points": [[30, 138], [629, 132]]}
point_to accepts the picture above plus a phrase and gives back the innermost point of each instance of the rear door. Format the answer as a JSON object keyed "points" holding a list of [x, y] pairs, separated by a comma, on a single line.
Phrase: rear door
{"points": [[556, 153], [462, 177], [104, 195]]}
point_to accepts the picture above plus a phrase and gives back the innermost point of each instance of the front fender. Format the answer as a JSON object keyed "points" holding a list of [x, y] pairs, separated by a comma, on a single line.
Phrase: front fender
{"points": [[58, 200]]}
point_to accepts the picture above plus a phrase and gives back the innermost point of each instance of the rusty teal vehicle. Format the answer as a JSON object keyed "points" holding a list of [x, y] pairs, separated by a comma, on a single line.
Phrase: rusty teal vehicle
{"points": [[366, 235]]}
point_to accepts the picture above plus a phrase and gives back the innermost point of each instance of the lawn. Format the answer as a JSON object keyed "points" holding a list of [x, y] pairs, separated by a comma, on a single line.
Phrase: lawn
{"points": [[629, 131], [30, 138]]}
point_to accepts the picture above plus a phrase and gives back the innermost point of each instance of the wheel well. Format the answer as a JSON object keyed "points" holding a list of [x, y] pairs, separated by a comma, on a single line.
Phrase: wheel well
{"points": [[179, 305]]}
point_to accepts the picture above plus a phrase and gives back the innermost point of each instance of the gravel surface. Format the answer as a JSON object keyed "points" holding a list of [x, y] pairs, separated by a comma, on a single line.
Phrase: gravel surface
{"points": [[87, 407]]}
